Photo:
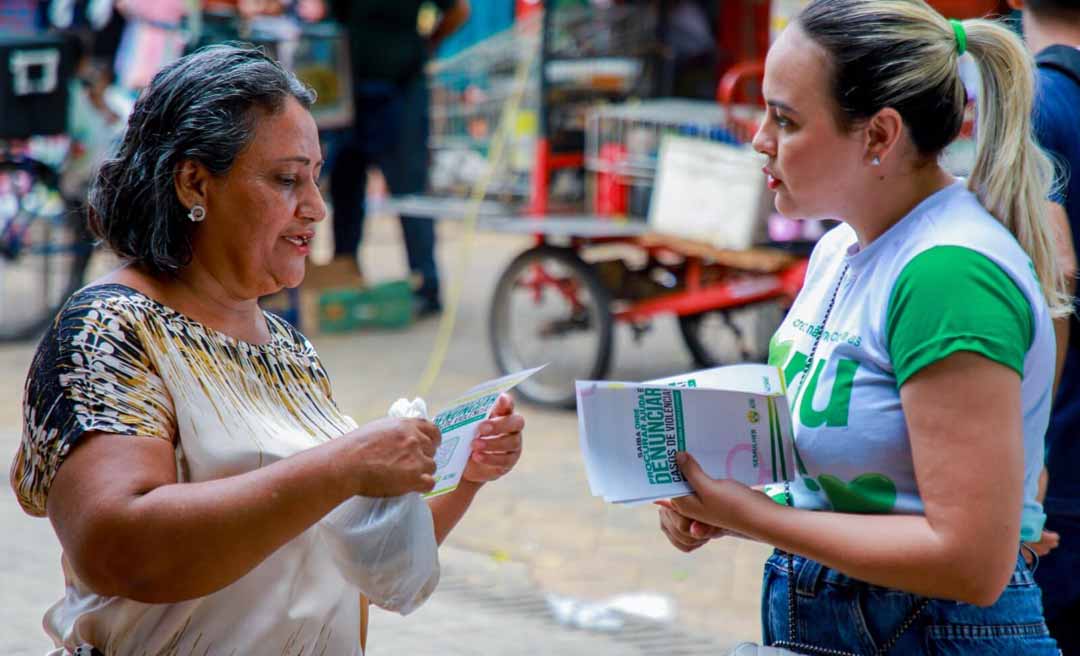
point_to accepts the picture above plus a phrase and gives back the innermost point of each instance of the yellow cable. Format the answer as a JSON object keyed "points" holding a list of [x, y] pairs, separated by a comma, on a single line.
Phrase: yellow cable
{"points": [[469, 220]]}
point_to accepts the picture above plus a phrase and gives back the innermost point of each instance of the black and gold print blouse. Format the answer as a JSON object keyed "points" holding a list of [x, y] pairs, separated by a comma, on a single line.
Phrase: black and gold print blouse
{"points": [[116, 361]]}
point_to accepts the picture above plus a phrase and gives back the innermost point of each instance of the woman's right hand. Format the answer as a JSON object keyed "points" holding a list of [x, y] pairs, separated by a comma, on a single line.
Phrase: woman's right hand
{"points": [[389, 457]]}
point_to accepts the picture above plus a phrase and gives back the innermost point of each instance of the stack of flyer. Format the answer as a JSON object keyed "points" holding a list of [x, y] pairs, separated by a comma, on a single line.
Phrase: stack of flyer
{"points": [[735, 421]]}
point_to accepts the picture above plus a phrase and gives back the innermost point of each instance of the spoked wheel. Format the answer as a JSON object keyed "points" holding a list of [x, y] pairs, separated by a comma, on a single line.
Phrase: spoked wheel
{"points": [[732, 335], [550, 307], [43, 250]]}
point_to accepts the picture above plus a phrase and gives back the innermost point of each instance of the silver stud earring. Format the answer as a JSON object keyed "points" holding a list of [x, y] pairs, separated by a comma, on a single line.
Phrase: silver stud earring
{"points": [[197, 213], [876, 161]]}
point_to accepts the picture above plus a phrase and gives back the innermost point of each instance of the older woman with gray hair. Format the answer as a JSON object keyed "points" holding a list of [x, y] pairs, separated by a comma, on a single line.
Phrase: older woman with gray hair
{"points": [[209, 495]]}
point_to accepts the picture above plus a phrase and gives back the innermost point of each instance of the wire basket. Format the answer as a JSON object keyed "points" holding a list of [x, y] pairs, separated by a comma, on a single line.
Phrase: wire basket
{"points": [[622, 144], [591, 55], [468, 92], [624, 30]]}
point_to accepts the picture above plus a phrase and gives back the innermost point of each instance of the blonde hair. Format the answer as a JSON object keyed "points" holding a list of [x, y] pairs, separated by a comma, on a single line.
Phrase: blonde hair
{"points": [[905, 55]]}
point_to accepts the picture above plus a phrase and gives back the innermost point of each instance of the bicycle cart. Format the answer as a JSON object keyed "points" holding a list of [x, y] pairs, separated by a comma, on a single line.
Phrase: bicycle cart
{"points": [[578, 177]]}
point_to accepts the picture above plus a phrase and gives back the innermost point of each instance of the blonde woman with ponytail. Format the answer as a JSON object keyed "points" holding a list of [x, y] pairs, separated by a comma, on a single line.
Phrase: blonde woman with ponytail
{"points": [[919, 357]]}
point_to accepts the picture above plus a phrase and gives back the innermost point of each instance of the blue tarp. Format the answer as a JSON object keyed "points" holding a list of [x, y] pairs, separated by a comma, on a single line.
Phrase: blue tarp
{"points": [[486, 18]]}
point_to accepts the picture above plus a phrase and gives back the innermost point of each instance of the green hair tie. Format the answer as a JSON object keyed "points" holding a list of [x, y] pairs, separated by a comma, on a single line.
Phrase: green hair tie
{"points": [[961, 36]]}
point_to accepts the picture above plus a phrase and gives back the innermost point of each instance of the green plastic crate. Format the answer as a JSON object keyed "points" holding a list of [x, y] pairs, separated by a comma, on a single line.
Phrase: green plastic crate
{"points": [[385, 305]]}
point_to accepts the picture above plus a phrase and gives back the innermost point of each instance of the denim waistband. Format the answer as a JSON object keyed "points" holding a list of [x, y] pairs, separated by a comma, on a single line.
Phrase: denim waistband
{"points": [[810, 575]]}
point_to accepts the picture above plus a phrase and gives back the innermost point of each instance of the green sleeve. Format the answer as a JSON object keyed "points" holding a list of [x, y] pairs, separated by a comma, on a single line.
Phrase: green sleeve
{"points": [[949, 299]]}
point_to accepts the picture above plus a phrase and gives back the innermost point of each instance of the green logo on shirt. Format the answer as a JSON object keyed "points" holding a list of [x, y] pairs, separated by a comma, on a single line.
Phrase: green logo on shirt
{"points": [[792, 362], [868, 493]]}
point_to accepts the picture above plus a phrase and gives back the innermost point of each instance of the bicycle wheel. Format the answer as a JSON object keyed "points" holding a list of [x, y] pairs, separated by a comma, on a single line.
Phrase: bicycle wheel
{"points": [[550, 307], [731, 335], [43, 249]]}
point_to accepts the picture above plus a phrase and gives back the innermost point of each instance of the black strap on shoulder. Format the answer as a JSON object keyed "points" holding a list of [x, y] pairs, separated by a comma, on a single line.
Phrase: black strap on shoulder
{"points": [[1064, 59]]}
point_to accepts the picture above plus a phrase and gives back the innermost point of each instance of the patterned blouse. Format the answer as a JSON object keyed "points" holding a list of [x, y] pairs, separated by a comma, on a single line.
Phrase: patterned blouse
{"points": [[116, 361]]}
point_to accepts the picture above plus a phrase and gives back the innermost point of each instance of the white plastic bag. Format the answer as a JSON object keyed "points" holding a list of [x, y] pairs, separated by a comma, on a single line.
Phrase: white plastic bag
{"points": [[386, 547]]}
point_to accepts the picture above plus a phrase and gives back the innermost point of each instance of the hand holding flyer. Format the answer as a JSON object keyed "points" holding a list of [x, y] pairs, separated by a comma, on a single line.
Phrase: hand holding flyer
{"points": [[458, 424], [734, 420]]}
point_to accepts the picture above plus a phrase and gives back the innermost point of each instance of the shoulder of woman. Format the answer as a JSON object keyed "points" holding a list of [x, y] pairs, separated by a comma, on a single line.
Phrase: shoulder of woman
{"points": [[106, 306], [90, 373]]}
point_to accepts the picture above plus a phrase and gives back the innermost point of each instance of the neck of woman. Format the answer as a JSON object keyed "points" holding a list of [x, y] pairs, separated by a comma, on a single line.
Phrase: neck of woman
{"points": [[888, 203], [212, 301]]}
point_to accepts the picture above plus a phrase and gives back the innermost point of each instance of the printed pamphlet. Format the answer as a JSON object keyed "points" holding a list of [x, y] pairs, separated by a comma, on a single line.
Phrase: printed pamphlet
{"points": [[458, 424], [734, 420]]}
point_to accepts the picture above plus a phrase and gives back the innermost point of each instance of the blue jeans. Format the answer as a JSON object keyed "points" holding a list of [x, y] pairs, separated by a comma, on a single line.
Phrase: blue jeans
{"points": [[390, 131], [837, 612]]}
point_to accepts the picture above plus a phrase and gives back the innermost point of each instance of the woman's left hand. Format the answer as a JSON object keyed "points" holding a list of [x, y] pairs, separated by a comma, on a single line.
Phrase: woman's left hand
{"points": [[1048, 541], [723, 504], [497, 445]]}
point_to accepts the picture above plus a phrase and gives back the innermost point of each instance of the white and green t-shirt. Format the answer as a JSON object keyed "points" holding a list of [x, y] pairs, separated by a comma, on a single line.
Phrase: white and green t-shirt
{"points": [[947, 278]]}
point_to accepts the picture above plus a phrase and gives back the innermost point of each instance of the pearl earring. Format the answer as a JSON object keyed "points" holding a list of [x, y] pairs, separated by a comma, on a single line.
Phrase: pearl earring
{"points": [[197, 213], [877, 161]]}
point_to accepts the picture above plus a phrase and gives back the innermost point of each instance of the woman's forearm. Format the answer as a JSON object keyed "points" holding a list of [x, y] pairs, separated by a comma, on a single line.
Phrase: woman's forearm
{"points": [[448, 509], [186, 540], [895, 551], [129, 529], [965, 425]]}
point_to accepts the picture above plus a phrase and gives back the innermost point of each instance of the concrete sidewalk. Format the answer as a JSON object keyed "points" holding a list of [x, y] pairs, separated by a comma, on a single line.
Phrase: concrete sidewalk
{"points": [[483, 607]]}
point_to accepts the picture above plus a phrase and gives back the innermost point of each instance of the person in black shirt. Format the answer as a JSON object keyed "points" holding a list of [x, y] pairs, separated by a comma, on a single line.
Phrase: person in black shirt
{"points": [[390, 128]]}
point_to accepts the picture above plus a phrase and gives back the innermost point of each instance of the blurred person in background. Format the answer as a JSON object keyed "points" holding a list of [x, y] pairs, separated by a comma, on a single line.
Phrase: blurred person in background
{"points": [[308, 10], [390, 130], [919, 355], [99, 108], [160, 31], [153, 37], [1052, 30], [208, 492]]}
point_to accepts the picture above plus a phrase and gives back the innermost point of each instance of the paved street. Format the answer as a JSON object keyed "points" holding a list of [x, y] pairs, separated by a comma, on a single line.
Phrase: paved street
{"points": [[538, 532]]}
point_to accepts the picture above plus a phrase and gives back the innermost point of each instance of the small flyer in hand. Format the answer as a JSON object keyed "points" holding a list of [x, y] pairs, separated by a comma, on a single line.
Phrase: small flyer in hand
{"points": [[458, 424], [734, 420]]}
